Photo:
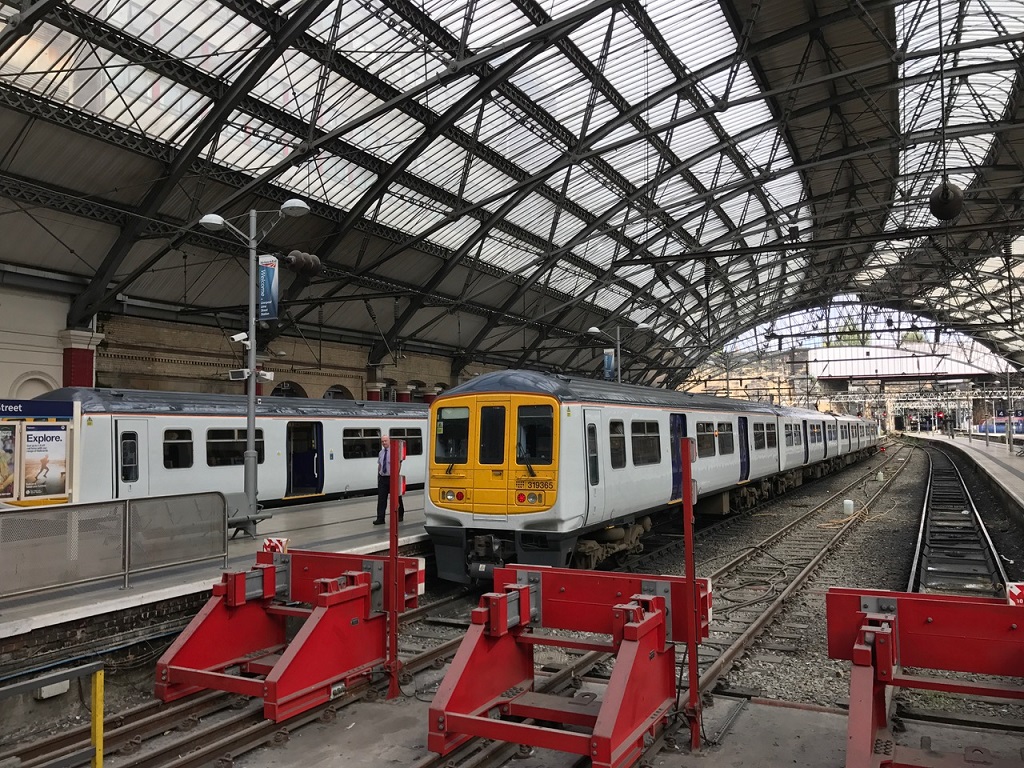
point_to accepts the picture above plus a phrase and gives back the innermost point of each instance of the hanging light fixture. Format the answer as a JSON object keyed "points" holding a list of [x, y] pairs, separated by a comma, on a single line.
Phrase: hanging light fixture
{"points": [[947, 199]]}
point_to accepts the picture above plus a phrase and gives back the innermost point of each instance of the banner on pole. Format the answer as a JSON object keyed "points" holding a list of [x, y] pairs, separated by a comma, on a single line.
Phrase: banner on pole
{"points": [[609, 365], [268, 285]]}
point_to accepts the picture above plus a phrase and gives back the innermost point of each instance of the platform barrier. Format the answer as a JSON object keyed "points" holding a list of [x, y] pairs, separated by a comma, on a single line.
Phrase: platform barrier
{"points": [[239, 640], [884, 632], [489, 689]]}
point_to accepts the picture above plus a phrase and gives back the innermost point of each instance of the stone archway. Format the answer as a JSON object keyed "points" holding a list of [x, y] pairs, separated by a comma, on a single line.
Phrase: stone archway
{"points": [[288, 389], [32, 384], [338, 392]]}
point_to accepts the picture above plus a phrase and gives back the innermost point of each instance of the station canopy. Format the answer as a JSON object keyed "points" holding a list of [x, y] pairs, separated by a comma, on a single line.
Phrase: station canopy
{"points": [[489, 179]]}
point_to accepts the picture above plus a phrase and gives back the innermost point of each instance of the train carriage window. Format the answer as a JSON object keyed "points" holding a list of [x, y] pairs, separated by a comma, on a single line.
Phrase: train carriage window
{"points": [[617, 444], [844, 431], [798, 437], [646, 443], [705, 439], [593, 462], [725, 438], [413, 439], [759, 442], [226, 447], [492, 434], [789, 435], [129, 457], [177, 448], [771, 436], [360, 442], [451, 436], [535, 434]]}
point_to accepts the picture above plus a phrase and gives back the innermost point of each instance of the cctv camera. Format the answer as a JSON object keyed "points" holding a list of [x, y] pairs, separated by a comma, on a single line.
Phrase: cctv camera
{"points": [[240, 336]]}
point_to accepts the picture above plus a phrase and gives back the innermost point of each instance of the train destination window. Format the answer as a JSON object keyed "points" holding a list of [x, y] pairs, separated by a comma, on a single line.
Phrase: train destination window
{"points": [[759, 443], [492, 434], [725, 439], [705, 439], [535, 434], [177, 448], [452, 436], [360, 442], [617, 444], [771, 436], [413, 439], [646, 443], [129, 457], [226, 447], [593, 462]]}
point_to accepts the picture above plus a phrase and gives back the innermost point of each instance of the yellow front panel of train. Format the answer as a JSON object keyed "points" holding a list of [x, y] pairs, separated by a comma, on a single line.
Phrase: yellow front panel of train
{"points": [[494, 454]]}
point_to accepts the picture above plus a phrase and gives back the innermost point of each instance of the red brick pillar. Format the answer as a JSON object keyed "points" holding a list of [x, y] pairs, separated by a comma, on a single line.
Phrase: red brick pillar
{"points": [[373, 389], [430, 394], [79, 357], [403, 394]]}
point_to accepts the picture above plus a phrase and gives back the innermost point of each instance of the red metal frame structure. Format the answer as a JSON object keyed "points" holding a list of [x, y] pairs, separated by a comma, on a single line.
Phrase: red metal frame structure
{"points": [[492, 675], [883, 632], [238, 641]]}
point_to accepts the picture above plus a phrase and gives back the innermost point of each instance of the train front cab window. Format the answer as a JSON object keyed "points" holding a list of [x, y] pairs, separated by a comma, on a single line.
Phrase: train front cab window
{"points": [[451, 435]]}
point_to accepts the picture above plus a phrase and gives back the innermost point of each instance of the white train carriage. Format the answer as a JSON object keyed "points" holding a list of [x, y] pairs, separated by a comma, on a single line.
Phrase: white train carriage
{"points": [[133, 443], [529, 467]]}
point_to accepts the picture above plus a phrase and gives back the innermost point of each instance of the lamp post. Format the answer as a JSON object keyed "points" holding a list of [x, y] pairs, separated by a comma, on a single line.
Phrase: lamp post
{"points": [[216, 223], [595, 331]]}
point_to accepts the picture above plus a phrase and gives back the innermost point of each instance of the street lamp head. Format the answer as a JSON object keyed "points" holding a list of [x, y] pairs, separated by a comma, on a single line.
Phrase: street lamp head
{"points": [[294, 208], [594, 330], [644, 326], [212, 222]]}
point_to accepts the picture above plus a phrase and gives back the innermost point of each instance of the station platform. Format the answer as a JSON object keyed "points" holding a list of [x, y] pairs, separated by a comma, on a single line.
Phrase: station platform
{"points": [[1002, 463], [333, 526]]}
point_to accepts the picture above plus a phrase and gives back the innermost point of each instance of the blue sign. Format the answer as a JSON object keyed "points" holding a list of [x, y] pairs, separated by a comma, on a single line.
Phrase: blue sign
{"points": [[36, 409], [268, 287], [609, 365]]}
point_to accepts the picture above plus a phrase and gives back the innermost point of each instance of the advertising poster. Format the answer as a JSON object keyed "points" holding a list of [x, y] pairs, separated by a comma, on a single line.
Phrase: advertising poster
{"points": [[268, 288], [8, 484], [44, 462]]}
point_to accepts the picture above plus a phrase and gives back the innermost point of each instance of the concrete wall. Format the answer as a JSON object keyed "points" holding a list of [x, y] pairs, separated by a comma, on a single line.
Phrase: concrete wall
{"points": [[31, 356]]}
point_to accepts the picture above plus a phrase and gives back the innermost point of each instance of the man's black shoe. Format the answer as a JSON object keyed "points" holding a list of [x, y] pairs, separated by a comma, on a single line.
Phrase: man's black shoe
{"points": [[378, 522], [401, 518]]}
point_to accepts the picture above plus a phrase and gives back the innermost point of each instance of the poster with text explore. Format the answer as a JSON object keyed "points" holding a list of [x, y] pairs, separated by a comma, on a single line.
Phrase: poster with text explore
{"points": [[44, 460]]}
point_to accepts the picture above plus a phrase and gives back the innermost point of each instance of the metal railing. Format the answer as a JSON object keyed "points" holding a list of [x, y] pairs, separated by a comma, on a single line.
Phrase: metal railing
{"points": [[67, 544]]}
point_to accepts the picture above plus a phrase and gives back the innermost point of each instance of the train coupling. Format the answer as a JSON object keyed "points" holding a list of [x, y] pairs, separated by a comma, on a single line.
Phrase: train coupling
{"points": [[485, 554]]}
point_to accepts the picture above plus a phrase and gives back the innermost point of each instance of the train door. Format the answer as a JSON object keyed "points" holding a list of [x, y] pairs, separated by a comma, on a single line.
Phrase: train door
{"points": [[131, 478], [595, 473], [807, 443], [677, 432], [492, 484], [824, 437], [305, 458], [744, 449]]}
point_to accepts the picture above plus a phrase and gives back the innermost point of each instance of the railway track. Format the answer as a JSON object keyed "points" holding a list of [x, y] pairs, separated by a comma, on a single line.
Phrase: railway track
{"points": [[749, 592], [954, 553]]}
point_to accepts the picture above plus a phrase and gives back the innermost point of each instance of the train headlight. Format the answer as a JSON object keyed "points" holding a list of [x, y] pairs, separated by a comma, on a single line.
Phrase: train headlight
{"points": [[448, 495], [531, 498]]}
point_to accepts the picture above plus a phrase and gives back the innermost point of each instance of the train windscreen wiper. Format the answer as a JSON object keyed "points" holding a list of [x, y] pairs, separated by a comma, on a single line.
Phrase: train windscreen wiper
{"points": [[525, 458], [450, 468]]}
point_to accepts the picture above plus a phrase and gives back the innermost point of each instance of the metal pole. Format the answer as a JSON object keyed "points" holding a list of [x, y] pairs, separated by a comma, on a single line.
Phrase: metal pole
{"points": [[250, 462], [1009, 415], [618, 356]]}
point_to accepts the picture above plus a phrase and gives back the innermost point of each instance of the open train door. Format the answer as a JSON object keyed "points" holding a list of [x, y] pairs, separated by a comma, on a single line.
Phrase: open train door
{"points": [[595, 473], [131, 475], [744, 449], [305, 458], [807, 443]]}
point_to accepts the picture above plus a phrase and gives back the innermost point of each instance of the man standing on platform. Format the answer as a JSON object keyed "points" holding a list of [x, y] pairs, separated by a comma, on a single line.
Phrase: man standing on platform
{"points": [[384, 482]]}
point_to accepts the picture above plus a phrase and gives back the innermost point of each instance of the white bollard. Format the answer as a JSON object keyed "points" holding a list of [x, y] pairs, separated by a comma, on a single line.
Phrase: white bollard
{"points": [[847, 507], [880, 477]]}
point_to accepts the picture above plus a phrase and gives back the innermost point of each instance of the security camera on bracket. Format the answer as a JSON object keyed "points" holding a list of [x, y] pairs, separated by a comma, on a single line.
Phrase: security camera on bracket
{"points": [[242, 337]]}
